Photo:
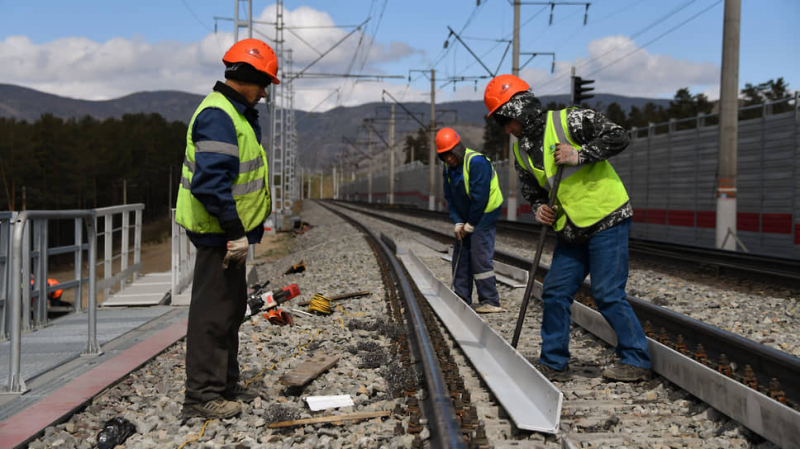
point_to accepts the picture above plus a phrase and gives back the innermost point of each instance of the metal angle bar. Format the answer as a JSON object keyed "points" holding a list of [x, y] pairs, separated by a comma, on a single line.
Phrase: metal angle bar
{"points": [[432, 244], [529, 398], [759, 413]]}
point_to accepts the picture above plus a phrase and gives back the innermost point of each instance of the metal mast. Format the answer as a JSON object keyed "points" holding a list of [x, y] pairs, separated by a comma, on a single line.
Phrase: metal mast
{"points": [[245, 23], [728, 127], [290, 185], [278, 126]]}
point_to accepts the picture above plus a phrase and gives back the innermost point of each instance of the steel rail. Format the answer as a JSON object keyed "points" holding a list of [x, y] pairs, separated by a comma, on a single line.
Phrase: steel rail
{"points": [[443, 423], [778, 270], [766, 362]]}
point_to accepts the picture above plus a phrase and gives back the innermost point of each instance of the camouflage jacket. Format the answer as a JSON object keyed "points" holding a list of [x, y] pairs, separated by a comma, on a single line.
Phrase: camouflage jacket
{"points": [[599, 138]]}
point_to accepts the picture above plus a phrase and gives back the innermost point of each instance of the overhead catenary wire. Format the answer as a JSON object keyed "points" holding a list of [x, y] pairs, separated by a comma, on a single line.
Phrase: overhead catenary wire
{"points": [[633, 36], [657, 37]]}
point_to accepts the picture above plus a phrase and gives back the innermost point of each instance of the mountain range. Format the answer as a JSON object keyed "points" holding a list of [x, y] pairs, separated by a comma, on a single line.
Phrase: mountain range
{"points": [[320, 134]]}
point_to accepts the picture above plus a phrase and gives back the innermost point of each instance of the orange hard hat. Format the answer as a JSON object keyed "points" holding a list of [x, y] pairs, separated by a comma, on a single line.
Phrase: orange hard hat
{"points": [[446, 139], [56, 294], [257, 54], [500, 89]]}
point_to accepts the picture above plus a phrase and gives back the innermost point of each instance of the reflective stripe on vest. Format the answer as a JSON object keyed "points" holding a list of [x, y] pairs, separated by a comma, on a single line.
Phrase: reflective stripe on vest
{"points": [[495, 196], [584, 206], [250, 189]]}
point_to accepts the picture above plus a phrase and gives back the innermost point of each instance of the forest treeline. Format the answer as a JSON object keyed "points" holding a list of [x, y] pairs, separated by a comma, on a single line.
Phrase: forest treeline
{"points": [[86, 163]]}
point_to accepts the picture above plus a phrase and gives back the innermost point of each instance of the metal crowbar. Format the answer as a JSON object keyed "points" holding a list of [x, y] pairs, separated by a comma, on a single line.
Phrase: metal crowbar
{"points": [[532, 274]]}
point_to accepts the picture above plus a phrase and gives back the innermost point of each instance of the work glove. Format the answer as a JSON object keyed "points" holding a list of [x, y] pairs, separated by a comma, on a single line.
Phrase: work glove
{"points": [[237, 252], [468, 229], [566, 155], [545, 215], [457, 230]]}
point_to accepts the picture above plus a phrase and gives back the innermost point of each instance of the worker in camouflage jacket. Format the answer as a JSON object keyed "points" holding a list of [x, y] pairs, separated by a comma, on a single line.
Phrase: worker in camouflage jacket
{"points": [[591, 216]]}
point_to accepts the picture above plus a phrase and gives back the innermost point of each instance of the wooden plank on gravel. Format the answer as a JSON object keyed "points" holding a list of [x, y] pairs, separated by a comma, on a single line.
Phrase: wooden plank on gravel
{"points": [[308, 370], [332, 418]]}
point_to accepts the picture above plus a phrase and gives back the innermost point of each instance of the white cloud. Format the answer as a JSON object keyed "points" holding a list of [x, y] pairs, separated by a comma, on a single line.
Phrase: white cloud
{"points": [[78, 67], [629, 72], [81, 68]]}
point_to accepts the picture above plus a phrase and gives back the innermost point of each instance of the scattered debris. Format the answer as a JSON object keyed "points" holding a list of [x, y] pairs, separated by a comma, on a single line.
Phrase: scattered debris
{"points": [[332, 419], [308, 370], [350, 295], [297, 268], [316, 403], [115, 432]]}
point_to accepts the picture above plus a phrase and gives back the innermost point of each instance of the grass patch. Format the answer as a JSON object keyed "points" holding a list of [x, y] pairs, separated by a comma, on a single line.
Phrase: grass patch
{"points": [[274, 247]]}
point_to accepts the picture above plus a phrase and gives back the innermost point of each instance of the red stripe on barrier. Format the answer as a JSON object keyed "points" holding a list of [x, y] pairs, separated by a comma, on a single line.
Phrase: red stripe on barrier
{"points": [[776, 223], [797, 234], [681, 218], [639, 215], [747, 221], [657, 216], [706, 219]]}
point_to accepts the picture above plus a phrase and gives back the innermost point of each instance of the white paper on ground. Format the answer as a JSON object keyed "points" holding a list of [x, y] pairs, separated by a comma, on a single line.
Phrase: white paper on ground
{"points": [[325, 402]]}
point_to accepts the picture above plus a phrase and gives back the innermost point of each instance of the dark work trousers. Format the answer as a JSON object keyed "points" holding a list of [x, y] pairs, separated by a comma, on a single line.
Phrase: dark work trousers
{"points": [[476, 264], [219, 300]]}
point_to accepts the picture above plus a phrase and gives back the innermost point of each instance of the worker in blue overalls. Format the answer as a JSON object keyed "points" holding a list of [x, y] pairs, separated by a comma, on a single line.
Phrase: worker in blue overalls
{"points": [[473, 199]]}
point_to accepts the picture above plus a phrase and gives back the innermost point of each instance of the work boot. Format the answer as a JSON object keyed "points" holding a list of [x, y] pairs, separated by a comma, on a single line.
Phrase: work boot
{"points": [[553, 374], [622, 372], [241, 393], [488, 308], [214, 409]]}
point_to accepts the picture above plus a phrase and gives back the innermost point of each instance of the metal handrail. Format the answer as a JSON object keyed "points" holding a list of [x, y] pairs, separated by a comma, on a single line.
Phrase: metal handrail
{"points": [[183, 253], [15, 304], [6, 219], [107, 214]]}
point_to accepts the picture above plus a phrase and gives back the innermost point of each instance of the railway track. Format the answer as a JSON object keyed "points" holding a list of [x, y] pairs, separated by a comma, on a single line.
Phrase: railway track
{"points": [[382, 369], [776, 270], [609, 415]]}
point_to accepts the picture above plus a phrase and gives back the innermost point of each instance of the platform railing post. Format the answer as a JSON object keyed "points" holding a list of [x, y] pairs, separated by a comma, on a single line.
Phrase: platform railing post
{"points": [[25, 244], [15, 382], [78, 303], [92, 347]]}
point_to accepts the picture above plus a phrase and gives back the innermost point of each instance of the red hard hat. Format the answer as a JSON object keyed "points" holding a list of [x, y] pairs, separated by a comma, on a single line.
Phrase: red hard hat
{"points": [[257, 54], [446, 139], [500, 89]]}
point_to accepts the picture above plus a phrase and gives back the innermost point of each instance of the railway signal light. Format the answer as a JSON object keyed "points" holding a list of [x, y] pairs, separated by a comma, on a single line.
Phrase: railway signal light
{"points": [[579, 93]]}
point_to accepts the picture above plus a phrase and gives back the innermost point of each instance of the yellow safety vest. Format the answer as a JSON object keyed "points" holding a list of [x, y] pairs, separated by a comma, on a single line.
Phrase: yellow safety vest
{"points": [[495, 196], [250, 188], [587, 193]]}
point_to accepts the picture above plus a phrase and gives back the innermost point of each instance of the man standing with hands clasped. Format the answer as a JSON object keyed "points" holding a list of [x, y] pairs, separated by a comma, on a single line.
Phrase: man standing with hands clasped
{"points": [[223, 200], [473, 199], [591, 216]]}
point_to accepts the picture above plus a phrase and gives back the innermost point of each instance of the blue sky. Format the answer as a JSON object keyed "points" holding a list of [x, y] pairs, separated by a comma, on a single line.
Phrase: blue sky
{"points": [[96, 50]]}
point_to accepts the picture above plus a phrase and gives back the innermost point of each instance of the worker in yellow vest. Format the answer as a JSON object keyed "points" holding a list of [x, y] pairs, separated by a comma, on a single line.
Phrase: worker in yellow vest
{"points": [[473, 199], [591, 216], [223, 200]]}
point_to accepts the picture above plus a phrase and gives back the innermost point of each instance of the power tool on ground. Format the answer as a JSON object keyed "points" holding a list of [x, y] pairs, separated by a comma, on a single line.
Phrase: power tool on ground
{"points": [[262, 299]]}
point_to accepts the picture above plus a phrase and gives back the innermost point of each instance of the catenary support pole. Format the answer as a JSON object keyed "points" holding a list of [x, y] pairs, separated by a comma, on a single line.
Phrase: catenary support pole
{"points": [[511, 197], [432, 155], [391, 156], [369, 166], [728, 127]]}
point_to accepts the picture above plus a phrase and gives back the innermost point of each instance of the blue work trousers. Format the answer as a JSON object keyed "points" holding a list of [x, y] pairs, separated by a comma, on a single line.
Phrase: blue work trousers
{"points": [[605, 257], [477, 252]]}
